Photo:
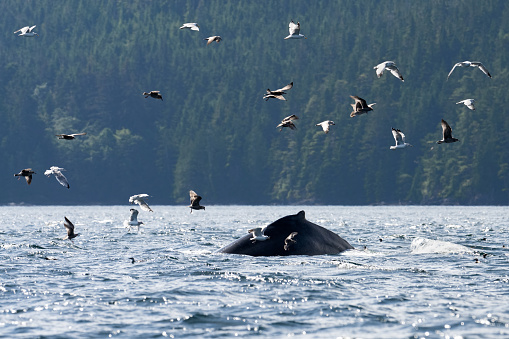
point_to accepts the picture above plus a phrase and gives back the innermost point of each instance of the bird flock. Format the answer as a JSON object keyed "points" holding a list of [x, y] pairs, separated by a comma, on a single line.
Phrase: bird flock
{"points": [[359, 107]]}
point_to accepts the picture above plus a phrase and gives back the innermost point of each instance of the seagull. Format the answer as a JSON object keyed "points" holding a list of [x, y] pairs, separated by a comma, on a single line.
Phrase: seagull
{"points": [[391, 67], [325, 125], [400, 139], [27, 173], [294, 29], [27, 31], [58, 175], [69, 136], [470, 64], [360, 106], [287, 122], [138, 199], [468, 102], [70, 230], [195, 201], [446, 133], [278, 93], [211, 39], [257, 235], [191, 25], [133, 219], [290, 240], [153, 94]]}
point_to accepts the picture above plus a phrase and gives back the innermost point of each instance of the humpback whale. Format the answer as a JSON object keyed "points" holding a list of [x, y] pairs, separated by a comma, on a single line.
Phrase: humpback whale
{"points": [[312, 239]]}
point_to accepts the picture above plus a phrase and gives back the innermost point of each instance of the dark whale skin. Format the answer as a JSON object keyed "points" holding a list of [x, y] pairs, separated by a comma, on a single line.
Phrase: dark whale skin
{"points": [[310, 240]]}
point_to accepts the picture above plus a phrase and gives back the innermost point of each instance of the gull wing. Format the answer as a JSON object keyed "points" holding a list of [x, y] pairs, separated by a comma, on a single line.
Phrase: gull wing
{"points": [[395, 71], [75, 134], [134, 215], [291, 117], [379, 69], [287, 87], [482, 68], [455, 65], [398, 136], [294, 28], [61, 178], [195, 198], [31, 28], [23, 30], [446, 130], [70, 228]]}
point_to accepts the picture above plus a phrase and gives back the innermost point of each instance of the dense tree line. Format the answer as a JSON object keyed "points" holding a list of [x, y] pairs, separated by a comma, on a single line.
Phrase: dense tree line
{"points": [[213, 132]]}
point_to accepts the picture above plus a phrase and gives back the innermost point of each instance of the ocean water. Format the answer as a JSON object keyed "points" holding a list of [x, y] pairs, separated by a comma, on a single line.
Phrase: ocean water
{"points": [[416, 272]]}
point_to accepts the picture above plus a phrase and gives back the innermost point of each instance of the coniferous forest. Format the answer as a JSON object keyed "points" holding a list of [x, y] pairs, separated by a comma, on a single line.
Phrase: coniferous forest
{"points": [[214, 133]]}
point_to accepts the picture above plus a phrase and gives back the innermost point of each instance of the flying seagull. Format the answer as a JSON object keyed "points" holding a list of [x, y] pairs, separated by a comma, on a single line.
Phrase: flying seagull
{"points": [[400, 139], [191, 25], [27, 173], [468, 102], [139, 199], [360, 106], [391, 67], [257, 235], [133, 219], [211, 39], [69, 136], [290, 240], [325, 125], [278, 93], [446, 133], [70, 230], [58, 175], [153, 94], [470, 64], [195, 201], [294, 30], [27, 31], [288, 122]]}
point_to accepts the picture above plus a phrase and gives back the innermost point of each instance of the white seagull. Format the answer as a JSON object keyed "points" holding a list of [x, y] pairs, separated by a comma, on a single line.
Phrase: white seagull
{"points": [[400, 139], [294, 29], [138, 199], [211, 39], [133, 220], [257, 235], [69, 136], [468, 102], [477, 64], [27, 31], [58, 175], [325, 125], [278, 93], [191, 25], [390, 66]]}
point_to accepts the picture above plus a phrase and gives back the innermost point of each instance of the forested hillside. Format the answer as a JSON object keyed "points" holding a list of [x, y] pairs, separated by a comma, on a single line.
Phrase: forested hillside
{"points": [[214, 133]]}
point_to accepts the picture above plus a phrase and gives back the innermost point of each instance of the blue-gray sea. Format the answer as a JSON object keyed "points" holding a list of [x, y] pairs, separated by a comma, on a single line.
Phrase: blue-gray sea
{"points": [[416, 272]]}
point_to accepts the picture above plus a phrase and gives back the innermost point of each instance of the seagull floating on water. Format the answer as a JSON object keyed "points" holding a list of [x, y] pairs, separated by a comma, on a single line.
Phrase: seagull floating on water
{"points": [[69, 136], [133, 220], [27, 173], [294, 30], [278, 93], [467, 102], [139, 199], [70, 230], [153, 94], [195, 201], [257, 235], [400, 139], [27, 31], [391, 67], [58, 175], [211, 39], [325, 125], [360, 106], [191, 25], [290, 240], [477, 64], [446, 134]]}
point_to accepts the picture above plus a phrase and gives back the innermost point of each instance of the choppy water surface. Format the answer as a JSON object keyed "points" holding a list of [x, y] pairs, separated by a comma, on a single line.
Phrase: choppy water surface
{"points": [[425, 272]]}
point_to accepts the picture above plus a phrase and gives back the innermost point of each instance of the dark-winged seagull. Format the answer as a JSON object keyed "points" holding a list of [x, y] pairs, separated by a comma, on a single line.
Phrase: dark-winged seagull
{"points": [[133, 220], [446, 133], [139, 199], [27, 173], [70, 229], [191, 25], [325, 125], [58, 175], [360, 106], [288, 122], [400, 139], [27, 32], [391, 67], [257, 235], [213, 38], [278, 93], [477, 64], [153, 94], [290, 240], [467, 102], [195, 201], [294, 30], [69, 136]]}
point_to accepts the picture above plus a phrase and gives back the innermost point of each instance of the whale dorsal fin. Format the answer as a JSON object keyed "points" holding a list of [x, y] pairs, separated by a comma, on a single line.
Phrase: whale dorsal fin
{"points": [[301, 215]]}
